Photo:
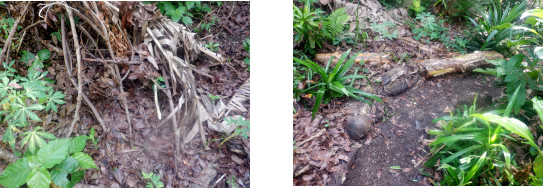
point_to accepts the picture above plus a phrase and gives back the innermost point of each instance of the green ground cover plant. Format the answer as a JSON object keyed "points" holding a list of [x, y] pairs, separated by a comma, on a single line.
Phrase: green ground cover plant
{"points": [[247, 47], [432, 28], [59, 161], [384, 30], [335, 82], [312, 27], [495, 26], [473, 148], [214, 47], [153, 180], [243, 127]]}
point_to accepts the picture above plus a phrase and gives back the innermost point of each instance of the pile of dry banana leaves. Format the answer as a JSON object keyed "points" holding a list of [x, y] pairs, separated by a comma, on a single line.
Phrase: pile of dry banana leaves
{"points": [[134, 41]]}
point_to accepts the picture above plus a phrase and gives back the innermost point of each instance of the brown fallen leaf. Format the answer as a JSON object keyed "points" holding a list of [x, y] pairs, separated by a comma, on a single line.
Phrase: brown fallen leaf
{"points": [[406, 169], [379, 173], [308, 177], [324, 2]]}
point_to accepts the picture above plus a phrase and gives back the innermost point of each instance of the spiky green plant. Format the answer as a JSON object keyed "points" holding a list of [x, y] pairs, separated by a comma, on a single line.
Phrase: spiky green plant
{"points": [[334, 82]]}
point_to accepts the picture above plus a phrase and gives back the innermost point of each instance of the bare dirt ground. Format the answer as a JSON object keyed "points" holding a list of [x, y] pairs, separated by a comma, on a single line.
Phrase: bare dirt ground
{"points": [[400, 139]]}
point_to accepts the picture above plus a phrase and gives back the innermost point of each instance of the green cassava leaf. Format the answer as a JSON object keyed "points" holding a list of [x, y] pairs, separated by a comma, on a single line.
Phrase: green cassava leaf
{"points": [[34, 138], [15, 174], [53, 99], [85, 161], [53, 153]]}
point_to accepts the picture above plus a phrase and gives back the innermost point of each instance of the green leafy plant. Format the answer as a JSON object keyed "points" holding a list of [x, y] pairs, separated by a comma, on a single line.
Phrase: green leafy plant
{"points": [[154, 180], [306, 26], [22, 96], [466, 146], [60, 162], [472, 148], [384, 29], [515, 75], [243, 127], [416, 7], [311, 30], [92, 138], [247, 47], [36, 60], [206, 26], [179, 13], [214, 47], [214, 97], [495, 26], [6, 24], [334, 24], [184, 10], [333, 82], [431, 28], [232, 182]]}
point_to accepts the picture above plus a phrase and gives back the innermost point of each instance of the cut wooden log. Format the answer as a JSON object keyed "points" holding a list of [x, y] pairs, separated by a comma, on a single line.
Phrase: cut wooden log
{"points": [[468, 62], [367, 57]]}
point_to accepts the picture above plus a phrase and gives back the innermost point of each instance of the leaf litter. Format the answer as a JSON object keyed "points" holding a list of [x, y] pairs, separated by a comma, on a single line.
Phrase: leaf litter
{"points": [[153, 149]]}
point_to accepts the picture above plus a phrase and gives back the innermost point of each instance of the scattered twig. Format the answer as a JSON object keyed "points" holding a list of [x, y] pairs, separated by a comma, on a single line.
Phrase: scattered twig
{"points": [[230, 14], [30, 26], [113, 61], [312, 137], [302, 170], [69, 71], [218, 180], [79, 77], [7, 44]]}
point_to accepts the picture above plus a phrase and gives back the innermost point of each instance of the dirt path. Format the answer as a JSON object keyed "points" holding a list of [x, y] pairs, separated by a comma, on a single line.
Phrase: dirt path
{"points": [[398, 141]]}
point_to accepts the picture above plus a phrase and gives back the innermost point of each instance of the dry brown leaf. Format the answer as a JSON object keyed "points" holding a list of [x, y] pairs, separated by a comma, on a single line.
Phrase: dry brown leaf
{"points": [[406, 169]]}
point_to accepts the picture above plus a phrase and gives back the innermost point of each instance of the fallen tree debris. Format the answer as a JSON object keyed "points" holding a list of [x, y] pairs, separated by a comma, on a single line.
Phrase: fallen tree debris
{"points": [[464, 63]]}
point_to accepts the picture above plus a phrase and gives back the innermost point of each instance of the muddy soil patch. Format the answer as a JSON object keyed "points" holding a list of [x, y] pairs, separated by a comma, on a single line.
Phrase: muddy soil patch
{"points": [[399, 140]]}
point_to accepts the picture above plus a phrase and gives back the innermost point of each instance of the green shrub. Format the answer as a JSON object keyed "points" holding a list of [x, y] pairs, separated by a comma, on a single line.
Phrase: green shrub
{"points": [[431, 29], [60, 162], [333, 82], [384, 30], [495, 26], [516, 75], [472, 149], [334, 24], [416, 7], [311, 30], [154, 180], [214, 47], [184, 10]]}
